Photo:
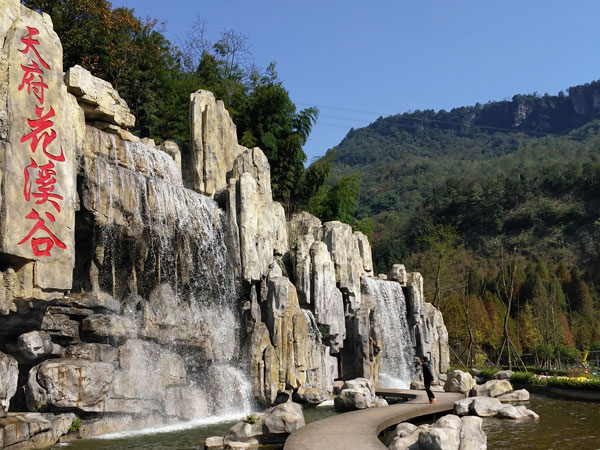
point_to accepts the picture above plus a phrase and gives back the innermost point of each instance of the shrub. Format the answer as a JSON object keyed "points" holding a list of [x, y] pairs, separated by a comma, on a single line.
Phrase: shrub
{"points": [[572, 383], [251, 419], [523, 378], [76, 425], [488, 373]]}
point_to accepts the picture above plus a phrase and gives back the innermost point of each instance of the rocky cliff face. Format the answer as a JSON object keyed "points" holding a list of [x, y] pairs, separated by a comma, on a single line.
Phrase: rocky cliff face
{"points": [[124, 294]]}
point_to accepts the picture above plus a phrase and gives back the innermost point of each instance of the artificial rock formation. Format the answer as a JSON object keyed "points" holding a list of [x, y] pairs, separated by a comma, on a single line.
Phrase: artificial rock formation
{"points": [[118, 255]]}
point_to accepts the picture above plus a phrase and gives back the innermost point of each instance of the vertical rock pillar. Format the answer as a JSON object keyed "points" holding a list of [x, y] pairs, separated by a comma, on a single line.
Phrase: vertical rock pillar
{"points": [[37, 150]]}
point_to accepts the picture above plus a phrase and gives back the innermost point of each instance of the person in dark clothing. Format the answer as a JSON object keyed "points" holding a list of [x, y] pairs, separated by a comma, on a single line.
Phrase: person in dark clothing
{"points": [[427, 378]]}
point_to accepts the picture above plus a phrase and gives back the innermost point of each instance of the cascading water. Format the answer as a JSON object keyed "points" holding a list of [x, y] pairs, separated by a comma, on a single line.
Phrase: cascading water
{"points": [[173, 240], [397, 363]]}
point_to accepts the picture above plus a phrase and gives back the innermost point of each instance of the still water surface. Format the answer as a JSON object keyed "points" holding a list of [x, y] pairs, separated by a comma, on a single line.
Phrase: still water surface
{"points": [[563, 425]]}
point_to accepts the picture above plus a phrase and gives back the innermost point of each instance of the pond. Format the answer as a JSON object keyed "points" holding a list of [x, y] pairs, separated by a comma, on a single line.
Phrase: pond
{"points": [[563, 425], [181, 437]]}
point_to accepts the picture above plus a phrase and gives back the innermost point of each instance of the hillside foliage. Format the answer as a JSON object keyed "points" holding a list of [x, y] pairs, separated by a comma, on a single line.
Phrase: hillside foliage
{"points": [[461, 195]]}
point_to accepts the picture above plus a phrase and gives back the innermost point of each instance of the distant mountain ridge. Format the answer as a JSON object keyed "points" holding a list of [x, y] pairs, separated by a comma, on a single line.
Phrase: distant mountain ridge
{"points": [[407, 161]]}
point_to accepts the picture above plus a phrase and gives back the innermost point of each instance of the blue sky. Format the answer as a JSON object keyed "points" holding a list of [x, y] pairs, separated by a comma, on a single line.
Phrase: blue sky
{"points": [[357, 60]]}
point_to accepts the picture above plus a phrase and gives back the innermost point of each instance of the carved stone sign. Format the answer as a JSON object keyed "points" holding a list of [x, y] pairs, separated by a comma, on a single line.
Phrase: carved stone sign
{"points": [[38, 202]]}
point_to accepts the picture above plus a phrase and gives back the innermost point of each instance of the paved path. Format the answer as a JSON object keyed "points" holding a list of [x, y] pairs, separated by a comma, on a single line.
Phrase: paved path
{"points": [[358, 430]]}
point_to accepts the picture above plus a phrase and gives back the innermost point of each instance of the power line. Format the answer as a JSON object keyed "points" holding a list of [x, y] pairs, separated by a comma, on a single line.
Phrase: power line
{"points": [[425, 119]]}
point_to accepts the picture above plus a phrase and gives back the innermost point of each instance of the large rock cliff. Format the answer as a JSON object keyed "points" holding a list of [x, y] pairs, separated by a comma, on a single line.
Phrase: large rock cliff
{"points": [[130, 288]]}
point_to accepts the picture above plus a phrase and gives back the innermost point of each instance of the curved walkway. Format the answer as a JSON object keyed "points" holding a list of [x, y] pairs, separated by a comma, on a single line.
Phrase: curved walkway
{"points": [[359, 429]]}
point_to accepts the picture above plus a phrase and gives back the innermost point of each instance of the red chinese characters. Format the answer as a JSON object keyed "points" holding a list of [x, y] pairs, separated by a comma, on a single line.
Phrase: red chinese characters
{"points": [[40, 177], [41, 246]]}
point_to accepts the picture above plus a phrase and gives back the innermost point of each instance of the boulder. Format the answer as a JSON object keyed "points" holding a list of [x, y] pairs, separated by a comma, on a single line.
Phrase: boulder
{"points": [[274, 425], [34, 345], [485, 406], [408, 442], [92, 352], [33, 430], [355, 394], [472, 436], [459, 381], [283, 419], [379, 402], [503, 375], [9, 373], [214, 443], [61, 328], [521, 395], [475, 372], [509, 412], [449, 421], [69, 384], [417, 385], [461, 407], [247, 445], [402, 430], [98, 99], [492, 388], [109, 327], [439, 439], [310, 396], [527, 412]]}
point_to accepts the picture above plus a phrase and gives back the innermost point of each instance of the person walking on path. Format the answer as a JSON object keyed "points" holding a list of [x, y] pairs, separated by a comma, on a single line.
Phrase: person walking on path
{"points": [[427, 378]]}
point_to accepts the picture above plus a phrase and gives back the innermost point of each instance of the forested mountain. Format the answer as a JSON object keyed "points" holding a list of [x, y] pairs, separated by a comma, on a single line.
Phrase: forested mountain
{"points": [[484, 192]]}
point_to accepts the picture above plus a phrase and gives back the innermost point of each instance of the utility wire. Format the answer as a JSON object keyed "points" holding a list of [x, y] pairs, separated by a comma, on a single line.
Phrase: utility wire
{"points": [[424, 119]]}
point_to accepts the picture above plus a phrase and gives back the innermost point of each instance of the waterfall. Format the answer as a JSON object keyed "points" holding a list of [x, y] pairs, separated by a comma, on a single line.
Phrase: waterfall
{"points": [[167, 243], [397, 368]]}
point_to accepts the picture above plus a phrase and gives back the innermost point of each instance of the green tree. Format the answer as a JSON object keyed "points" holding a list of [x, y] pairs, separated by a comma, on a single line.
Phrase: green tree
{"points": [[441, 243]]}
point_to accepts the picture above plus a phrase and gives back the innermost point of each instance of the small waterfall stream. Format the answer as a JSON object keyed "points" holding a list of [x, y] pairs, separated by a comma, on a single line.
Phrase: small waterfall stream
{"points": [[397, 368], [180, 266]]}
